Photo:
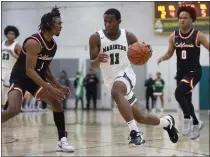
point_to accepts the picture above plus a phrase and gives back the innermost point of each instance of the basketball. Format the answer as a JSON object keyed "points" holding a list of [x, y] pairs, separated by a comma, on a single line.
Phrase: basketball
{"points": [[139, 53]]}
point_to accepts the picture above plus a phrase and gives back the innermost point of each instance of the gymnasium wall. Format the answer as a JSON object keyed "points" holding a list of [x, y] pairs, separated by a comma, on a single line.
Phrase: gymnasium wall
{"points": [[81, 19]]}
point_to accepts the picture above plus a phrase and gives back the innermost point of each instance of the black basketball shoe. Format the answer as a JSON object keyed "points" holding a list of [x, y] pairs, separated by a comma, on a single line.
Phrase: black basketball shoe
{"points": [[136, 138], [172, 131]]}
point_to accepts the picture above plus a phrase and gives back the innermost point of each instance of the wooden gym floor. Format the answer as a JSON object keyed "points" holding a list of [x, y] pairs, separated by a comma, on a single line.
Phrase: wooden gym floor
{"points": [[100, 133]]}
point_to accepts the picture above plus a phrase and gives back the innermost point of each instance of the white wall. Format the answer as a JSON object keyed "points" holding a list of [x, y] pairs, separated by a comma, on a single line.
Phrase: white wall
{"points": [[81, 19]]}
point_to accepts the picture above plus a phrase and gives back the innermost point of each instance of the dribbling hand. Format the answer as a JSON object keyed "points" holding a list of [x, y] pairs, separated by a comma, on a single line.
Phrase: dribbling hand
{"points": [[149, 46]]}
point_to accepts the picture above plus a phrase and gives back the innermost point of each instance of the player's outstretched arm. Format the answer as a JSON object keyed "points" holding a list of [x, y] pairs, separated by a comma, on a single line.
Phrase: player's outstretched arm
{"points": [[95, 56], [170, 50], [203, 41], [32, 48]]}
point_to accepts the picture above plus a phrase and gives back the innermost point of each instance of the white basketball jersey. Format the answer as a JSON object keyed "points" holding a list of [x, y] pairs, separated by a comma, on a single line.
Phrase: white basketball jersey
{"points": [[8, 58], [117, 52]]}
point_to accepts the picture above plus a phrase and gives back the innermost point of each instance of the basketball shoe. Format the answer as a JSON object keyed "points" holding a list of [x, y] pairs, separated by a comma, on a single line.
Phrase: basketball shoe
{"points": [[136, 138], [195, 132], [186, 127], [64, 146], [172, 131]]}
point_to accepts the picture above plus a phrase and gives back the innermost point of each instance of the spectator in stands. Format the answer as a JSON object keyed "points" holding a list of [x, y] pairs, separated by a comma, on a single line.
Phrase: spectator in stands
{"points": [[90, 83], [149, 84], [158, 91], [64, 80], [80, 94]]}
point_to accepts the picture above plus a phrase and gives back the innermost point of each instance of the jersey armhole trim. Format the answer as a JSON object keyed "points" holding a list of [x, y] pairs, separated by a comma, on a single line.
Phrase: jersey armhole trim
{"points": [[34, 39], [196, 40], [15, 51], [173, 34], [126, 35]]}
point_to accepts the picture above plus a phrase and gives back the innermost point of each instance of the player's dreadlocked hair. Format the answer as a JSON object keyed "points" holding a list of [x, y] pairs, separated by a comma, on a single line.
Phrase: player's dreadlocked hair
{"points": [[13, 29], [47, 19], [189, 10]]}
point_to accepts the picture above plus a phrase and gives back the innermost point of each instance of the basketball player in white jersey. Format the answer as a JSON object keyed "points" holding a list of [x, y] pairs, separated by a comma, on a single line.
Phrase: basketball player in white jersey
{"points": [[108, 50], [9, 54]]}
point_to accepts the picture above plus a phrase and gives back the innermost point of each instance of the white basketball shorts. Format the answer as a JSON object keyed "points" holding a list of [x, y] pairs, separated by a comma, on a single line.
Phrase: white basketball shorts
{"points": [[128, 77]]}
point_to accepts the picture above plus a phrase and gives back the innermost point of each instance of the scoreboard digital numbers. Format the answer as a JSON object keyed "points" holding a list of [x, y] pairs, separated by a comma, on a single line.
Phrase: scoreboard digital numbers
{"points": [[165, 19]]}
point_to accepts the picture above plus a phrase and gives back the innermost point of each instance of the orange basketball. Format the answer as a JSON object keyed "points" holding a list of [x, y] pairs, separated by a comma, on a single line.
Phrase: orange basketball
{"points": [[139, 53]]}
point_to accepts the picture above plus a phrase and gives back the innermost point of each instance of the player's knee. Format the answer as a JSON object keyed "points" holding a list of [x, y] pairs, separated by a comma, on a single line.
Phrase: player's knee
{"points": [[116, 94], [56, 105], [15, 102], [14, 110], [118, 90]]}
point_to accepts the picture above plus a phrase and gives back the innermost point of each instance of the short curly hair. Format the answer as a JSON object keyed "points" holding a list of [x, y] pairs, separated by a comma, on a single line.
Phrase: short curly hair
{"points": [[188, 9], [114, 12], [13, 29]]}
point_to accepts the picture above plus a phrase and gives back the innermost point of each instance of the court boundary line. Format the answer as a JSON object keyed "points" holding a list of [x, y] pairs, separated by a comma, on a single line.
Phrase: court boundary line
{"points": [[91, 147]]}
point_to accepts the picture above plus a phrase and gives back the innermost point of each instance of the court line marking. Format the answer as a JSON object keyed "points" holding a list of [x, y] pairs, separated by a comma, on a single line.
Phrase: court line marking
{"points": [[114, 143], [119, 126], [91, 147], [13, 140]]}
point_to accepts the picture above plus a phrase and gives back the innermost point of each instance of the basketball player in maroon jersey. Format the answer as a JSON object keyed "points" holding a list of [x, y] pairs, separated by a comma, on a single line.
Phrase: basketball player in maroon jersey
{"points": [[31, 73], [186, 41]]}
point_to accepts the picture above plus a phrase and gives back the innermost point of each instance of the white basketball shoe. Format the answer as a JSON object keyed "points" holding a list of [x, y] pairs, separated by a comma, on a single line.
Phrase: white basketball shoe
{"points": [[64, 146]]}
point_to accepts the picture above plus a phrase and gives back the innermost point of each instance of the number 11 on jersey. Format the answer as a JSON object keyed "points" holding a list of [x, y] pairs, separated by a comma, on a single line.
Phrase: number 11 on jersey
{"points": [[114, 58]]}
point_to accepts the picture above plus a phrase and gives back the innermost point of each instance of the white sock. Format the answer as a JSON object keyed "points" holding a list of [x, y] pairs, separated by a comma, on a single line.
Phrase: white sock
{"points": [[132, 125], [164, 122]]}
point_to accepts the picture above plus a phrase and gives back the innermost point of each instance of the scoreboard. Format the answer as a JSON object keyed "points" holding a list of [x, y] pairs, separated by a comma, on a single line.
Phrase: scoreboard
{"points": [[166, 21]]}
